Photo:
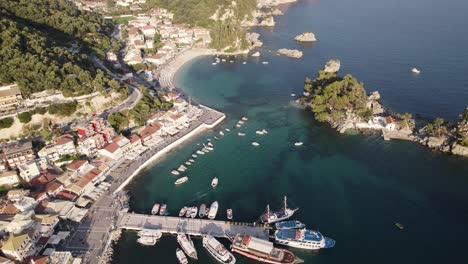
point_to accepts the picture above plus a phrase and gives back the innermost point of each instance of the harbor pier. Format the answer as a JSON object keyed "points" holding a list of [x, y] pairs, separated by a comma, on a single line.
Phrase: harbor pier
{"points": [[195, 227]]}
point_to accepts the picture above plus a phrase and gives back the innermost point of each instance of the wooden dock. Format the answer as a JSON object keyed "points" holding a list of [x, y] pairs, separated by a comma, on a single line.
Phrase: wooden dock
{"points": [[196, 227]]}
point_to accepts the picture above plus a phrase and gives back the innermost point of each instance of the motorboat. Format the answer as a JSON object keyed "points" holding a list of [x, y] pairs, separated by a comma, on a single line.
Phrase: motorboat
{"points": [[293, 94], [214, 182], [188, 163], [217, 250], [147, 241], [213, 210], [200, 152], [244, 118], [264, 131], [183, 211], [240, 122], [188, 213], [227, 129], [150, 233], [181, 256], [181, 180], [255, 144], [162, 211], [194, 211], [194, 155], [244, 62], [229, 213], [221, 133], [240, 134], [238, 125], [182, 168], [210, 144], [214, 63], [202, 211], [155, 209], [175, 172], [416, 71], [265, 62], [259, 132], [297, 144]]}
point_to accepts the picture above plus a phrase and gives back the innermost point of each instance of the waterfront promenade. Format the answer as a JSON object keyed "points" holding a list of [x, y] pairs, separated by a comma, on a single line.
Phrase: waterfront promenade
{"points": [[196, 227]]}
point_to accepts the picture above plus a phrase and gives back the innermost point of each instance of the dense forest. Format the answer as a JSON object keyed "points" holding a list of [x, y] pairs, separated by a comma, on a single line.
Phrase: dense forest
{"points": [[44, 44]]}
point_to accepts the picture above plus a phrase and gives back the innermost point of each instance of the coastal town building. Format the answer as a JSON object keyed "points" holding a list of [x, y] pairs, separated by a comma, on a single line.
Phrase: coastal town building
{"points": [[18, 247], [9, 178], [29, 170], [65, 145], [10, 97], [17, 152], [17, 194], [111, 150]]}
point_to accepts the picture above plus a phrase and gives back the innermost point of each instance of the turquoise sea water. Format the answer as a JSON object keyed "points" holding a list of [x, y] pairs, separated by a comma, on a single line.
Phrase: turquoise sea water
{"points": [[350, 187]]}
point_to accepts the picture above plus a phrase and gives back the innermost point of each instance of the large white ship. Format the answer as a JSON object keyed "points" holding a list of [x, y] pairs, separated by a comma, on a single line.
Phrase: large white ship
{"points": [[284, 213], [187, 245], [213, 210], [303, 238], [217, 250]]}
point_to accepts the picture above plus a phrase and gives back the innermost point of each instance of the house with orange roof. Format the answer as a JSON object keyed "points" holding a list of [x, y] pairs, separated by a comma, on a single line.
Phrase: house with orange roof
{"points": [[151, 134], [111, 150], [65, 145], [78, 166]]}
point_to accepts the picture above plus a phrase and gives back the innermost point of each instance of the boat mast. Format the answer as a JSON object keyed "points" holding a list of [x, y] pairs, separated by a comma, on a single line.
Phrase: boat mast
{"points": [[285, 205], [268, 210]]}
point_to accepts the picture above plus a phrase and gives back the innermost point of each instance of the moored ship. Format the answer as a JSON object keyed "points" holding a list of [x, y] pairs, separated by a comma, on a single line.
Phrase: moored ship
{"points": [[217, 250], [262, 250], [202, 211], [289, 225], [187, 245], [213, 210], [181, 256], [284, 213], [155, 209], [303, 238]]}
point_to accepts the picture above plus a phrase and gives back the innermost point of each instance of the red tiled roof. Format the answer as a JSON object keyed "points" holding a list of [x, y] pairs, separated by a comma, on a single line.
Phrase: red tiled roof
{"points": [[148, 27], [67, 138], [75, 165], [389, 120], [66, 195], [52, 186], [132, 31], [37, 195], [134, 138], [82, 182], [8, 209], [92, 174], [40, 207], [147, 132], [111, 147]]}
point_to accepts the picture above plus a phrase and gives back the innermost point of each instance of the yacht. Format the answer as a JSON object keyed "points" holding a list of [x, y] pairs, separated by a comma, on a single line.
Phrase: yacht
{"points": [[289, 225], [150, 233], [244, 118], [181, 180], [261, 250], [229, 213], [194, 155], [217, 250], [214, 182], [147, 241], [181, 256], [191, 160], [194, 211], [155, 209], [183, 211], [303, 238], [162, 211], [416, 71], [200, 152], [202, 211], [213, 210], [175, 172], [256, 144], [188, 163], [182, 168], [259, 132], [221, 133], [240, 134], [297, 144], [187, 245], [284, 213]]}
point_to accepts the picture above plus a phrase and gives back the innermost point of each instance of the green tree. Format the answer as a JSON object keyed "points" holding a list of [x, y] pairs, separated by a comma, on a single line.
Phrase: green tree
{"points": [[118, 120], [25, 117], [438, 122], [6, 122]]}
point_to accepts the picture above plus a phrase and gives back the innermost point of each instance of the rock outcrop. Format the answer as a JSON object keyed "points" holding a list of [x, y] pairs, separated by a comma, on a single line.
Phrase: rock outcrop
{"points": [[332, 66], [297, 54], [268, 22], [373, 103], [436, 142], [253, 39], [459, 150], [270, 3], [256, 54], [306, 37]]}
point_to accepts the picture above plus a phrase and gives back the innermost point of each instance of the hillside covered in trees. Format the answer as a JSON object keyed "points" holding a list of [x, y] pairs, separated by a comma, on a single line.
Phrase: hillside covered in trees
{"points": [[44, 44]]}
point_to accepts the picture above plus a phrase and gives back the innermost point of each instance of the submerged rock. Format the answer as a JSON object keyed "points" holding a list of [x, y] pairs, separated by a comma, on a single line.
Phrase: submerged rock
{"points": [[332, 66], [305, 37], [291, 53]]}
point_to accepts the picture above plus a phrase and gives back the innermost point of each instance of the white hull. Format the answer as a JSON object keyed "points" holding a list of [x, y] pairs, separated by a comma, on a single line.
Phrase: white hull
{"points": [[228, 257], [187, 246], [298, 244], [213, 211]]}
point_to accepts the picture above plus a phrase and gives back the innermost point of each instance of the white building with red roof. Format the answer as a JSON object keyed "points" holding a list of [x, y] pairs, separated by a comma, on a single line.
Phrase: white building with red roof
{"points": [[148, 31], [111, 150], [65, 145]]}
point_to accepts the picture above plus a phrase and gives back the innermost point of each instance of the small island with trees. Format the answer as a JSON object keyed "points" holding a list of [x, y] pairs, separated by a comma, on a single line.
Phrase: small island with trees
{"points": [[343, 102]]}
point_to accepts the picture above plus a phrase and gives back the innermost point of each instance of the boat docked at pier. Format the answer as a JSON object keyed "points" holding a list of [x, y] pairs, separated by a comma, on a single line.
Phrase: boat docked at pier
{"points": [[289, 225], [194, 211], [214, 182], [303, 238], [229, 213], [155, 209], [213, 210], [162, 210], [147, 241], [182, 168], [181, 180], [150, 233], [183, 211], [181, 256], [202, 211], [175, 172], [217, 250], [284, 213], [187, 245], [262, 250]]}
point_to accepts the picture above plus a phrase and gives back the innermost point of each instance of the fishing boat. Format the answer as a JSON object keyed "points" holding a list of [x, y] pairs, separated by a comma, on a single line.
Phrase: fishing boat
{"points": [[217, 250], [182, 211], [303, 238], [416, 71], [175, 172], [181, 256], [214, 182], [191, 160], [194, 211], [271, 217], [181, 180], [200, 152], [221, 133], [256, 144], [213, 210], [261, 250], [240, 134], [162, 211], [289, 225], [297, 144], [155, 209], [147, 241], [194, 155], [259, 132], [150, 233], [229, 213], [399, 226], [202, 211], [187, 245], [244, 118], [182, 168]]}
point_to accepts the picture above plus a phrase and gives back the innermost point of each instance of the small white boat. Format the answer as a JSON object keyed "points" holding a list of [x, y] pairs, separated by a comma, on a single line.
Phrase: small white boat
{"points": [[264, 131], [297, 144], [182, 168], [265, 62], [181, 180], [221, 133], [181, 256], [191, 160], [416, 71], [238, 125], [214, 63], [155, 209], [256, 144], [210, 144], [259, 132], [244, 118], [214, 182], [194, 211], [162, 211], [150, 233], [188, 163], [227, 129], [244, 62], [175, 172], [147, 241], [229, 213], [240, 122], [194, 155], [231, 61], [205, 150], [216, 137], [188, 212], [183, 211], [200, 152], [293, 94], [213, 210], [209, 148], [240, 134]]}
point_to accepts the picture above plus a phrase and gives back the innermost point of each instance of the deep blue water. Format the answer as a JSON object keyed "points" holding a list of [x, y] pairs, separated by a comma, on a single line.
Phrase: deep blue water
{"points": [[350, 187]]}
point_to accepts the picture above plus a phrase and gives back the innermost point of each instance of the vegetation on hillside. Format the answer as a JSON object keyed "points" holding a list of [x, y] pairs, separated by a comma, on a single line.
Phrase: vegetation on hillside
{"points": [[64, 109], [6, 122], [333, 96], [147, 106], [462, 128], [45, 45]]}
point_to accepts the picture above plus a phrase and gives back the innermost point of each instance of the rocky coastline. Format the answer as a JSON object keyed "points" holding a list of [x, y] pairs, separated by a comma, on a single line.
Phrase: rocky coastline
{"points": [[296, 54], [306, 37], [394, 125]]}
